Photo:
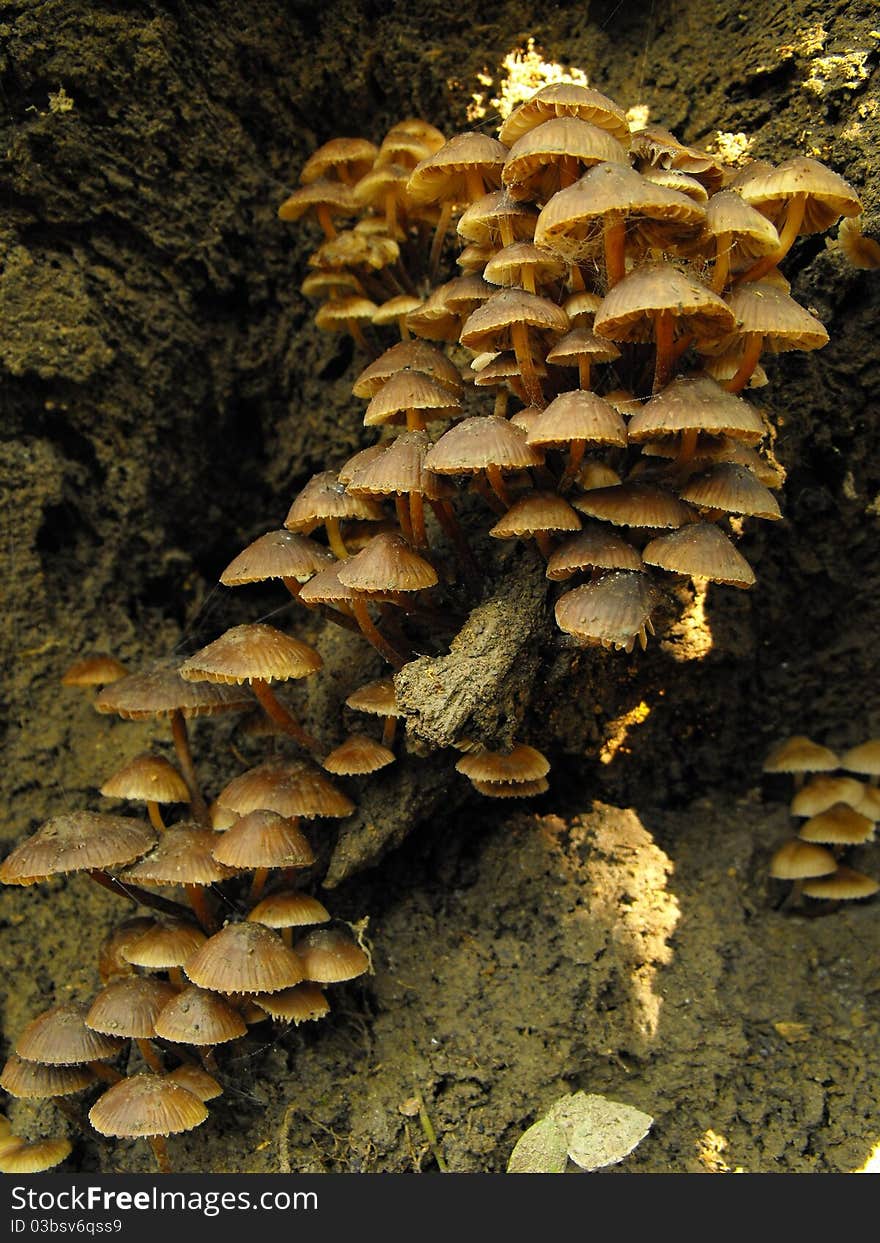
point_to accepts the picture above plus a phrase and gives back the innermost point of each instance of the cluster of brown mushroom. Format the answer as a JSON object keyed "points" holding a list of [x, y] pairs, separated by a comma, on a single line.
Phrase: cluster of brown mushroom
{"points": [[618, 291], [233, 941], [837, 812]]}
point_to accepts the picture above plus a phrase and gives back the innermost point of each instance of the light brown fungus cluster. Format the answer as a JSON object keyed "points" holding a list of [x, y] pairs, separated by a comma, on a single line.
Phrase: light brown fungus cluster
{"points": [[579, 383]]}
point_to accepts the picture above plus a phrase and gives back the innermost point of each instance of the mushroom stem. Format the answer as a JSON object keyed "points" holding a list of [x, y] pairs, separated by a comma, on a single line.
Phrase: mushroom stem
{"points": [[417, 522], [415, 421], [502, 397], [687, 446], [155, 816], [496, 480], [545, 543], [576, 451], [389, 729], [135, 894], [505, 225], [373, 635], [721, 270], [325, 221], [287, 937], [664, 335], [404, 519], [584, 372], [258, 883], [569, 170], [437, 244], [576, 283], [277, 712], [481, 486], [794, 218], [175, 978], [519, 335], [160, 1152], [527, 275], [335, 540], [615, 248], [105, 1072], [751, 354], [150, 1056], [180, 734], [198, 901]]}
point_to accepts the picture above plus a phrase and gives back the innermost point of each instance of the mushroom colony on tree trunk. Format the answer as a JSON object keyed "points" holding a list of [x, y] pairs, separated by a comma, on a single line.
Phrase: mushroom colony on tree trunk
{"points": [[584, 382]]}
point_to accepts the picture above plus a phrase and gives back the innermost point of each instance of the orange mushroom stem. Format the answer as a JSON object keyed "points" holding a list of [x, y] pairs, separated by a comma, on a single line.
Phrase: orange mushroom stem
{"points": [[614, 235], [155, 815], [335, 540], [794, 218], [373, 635], [664, 336], [284, 719], [751, 354], [519, 335], [182, 750]]}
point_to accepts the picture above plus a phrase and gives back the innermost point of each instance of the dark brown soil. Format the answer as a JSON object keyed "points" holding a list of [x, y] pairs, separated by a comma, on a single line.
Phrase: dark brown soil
{"points": [[165, 393]]}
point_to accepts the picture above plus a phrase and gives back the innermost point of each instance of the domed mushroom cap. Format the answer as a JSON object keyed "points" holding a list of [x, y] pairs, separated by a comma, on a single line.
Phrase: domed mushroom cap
{"points": [[489, 326], [99, 669], [168, 943], [702, 551], [146, 1105], [325, 497], [523, 763], [349, 156], [799, 754], [675, 179], [828, 195], [410, 390], [34, 1158], [244, 958], [59, 1037], [864, 758], [823, 791], [506, 266], [400, 470], [578, 415], [339, 313], [80, 841], [330, 956], [580, 343], [249, 653], [408, 356], [532, 168], [301, 1004], [733, 489], [393, 310], [387, 564], [129, 1007], [656, 147], [840, 825], [628, 311], [449, 173], [696, 403], [325, 587], [846, 885], [561, 99], [797, 860], [358, 756], [161, 691], [536, 512], [594, 548], [194, 1016], [377, 698], [263, 839], [511, 789], [728, 215], [615, 609], [290, 788], [478, 442], [334, 195], [762, 307], [183, 856], [33, 1081], [149, 778], [482, 222], [277, 554], [289, 910], [197, 1081], [634, 505]]}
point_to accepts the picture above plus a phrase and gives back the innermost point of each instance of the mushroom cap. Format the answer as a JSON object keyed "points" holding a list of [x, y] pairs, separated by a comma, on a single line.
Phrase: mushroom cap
{"points": [[839, 825], [34, 1158], [290, 787], [194, 1016], [478, 442], [523, 763], [387, 564], [412, 355], [410, 390], [656, 147], [399, 469], [511, 789], [355, 155], [675, 179], [33, 1081], [289, 910], [337, 314], [100, 669], [168, 943], [277, 554], [634, 505], [702, 551], [79, 841], [506, 267], [161, 692], [828, 195], [300, 1004], [534, 162], [250, 653], [762, 307], [844, 886], [731, 488], [325, 284], [614, 610], [578, 416], [580, 342], [481, 222], [129, 1007], [443, 174], [197, 1081], [377, 698], [146, 1105], [183, 856], [357, 756], [798, 860], [593, 548], [263, 839], [244, 958], [330, 956], [559, 99], [325, 587], [362, 458], [322, 192], [394, 309], [59, 1037], [864, 758], [489, 326], [149, 778], [728, 215], [799, 754], [823, 791], [536, 512], [696, 403], [325, 497], [628, 310]]}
